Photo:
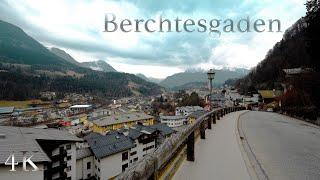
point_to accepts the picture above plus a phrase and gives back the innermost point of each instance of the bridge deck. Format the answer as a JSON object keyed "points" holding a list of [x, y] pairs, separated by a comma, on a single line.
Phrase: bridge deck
{"points": [[218, 156]]}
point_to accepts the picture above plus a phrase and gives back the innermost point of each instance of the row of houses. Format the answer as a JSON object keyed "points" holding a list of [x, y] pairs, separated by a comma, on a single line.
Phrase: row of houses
{"points": [[187, 110], [61, 155], [114, 122], [183, 116]]}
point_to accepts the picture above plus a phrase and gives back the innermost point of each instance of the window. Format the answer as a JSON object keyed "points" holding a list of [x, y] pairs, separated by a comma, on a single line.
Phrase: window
{"points": [[124, 156], [147, 148], [99, 169], [68, 158], [124, 167], [89, 175], [88, 165], [133, 153], [68, 146], [68, 168], [135, 159]]}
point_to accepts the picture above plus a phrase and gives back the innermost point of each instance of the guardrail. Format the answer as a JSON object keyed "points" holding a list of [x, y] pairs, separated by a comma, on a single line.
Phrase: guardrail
{"points": [[150, 166]]}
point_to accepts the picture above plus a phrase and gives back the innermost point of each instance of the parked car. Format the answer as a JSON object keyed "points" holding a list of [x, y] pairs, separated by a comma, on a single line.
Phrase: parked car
{"points": [[269, 110]]}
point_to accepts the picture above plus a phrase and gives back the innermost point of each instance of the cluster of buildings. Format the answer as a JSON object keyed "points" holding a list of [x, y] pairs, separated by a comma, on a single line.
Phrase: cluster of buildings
{"points": [[83, 141], [62, 155], [115, 151], [183, 116], [262, 99], [86, 140]]}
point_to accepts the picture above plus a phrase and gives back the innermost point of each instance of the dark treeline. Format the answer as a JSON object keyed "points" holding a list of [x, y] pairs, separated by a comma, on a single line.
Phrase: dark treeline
{"points": [[18, 85], [189, 100], [290, 52]]}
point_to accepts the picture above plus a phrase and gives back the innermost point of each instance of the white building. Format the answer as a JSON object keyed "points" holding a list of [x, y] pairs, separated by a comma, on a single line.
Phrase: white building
{"points": [[53, 151], [174, 121], [85, 163], [110, 155], [144, 139], [117, 150], [80, 108], [233, 95], [187, 110]]}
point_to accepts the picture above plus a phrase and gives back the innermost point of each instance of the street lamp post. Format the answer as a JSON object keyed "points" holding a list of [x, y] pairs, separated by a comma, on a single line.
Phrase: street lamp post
{"points": [[210, 74]]}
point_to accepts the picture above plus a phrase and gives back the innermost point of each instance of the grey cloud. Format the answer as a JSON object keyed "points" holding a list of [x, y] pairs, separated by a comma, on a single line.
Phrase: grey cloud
{"points": [[169, 52]]}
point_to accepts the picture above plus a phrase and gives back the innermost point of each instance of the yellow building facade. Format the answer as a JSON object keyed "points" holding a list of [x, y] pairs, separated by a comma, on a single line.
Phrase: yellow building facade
{"points": [[121, 121]]}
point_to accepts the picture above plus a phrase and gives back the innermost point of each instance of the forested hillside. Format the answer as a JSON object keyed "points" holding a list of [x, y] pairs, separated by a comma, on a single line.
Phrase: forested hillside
{"points": [[299, 48], [27, 68]]}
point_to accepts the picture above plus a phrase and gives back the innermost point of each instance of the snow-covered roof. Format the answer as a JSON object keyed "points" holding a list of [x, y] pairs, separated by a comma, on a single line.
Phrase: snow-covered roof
{"points": [[81, 106]]}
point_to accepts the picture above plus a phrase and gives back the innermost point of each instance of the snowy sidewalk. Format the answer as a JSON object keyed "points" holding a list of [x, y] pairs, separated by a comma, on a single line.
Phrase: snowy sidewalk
{"points": [[218, 156]]}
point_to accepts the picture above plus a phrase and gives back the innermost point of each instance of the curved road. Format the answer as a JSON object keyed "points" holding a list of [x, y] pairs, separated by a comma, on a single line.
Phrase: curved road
{"points": [[285, 148]]}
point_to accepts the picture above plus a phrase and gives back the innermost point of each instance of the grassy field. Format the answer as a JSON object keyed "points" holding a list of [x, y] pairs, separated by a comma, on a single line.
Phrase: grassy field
{"points": [[19, 104]]}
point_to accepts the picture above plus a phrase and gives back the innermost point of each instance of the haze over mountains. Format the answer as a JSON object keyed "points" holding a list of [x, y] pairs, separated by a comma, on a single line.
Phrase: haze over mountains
{"points": [[192, 77], [26, 64], [64, 55], [99, 65], [150, 79]]}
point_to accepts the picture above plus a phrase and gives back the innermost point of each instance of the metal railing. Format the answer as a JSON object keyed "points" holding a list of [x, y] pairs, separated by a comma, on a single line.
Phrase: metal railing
{"points": [[150, 166]]}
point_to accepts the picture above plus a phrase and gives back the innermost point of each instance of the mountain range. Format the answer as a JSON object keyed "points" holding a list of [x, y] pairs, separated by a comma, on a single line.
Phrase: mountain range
{"points": [[28, 68], [150, 79], [99, 65], [192, 77], [62, 54]]}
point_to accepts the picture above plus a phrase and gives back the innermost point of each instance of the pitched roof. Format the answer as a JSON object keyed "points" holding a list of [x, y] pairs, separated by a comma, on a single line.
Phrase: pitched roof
{"points": [[106, 145], [81, 106], [83, 153], [20, 140], [163, 128], [122, 118], [269, 94], [173, 117], [6, 110], [137, 130], [296, 71], [144, 129], [134, 134], [189, 108]]}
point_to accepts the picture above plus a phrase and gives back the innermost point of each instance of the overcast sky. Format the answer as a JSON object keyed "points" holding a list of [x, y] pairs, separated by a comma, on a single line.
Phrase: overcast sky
{"points": [[77, 27]]}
